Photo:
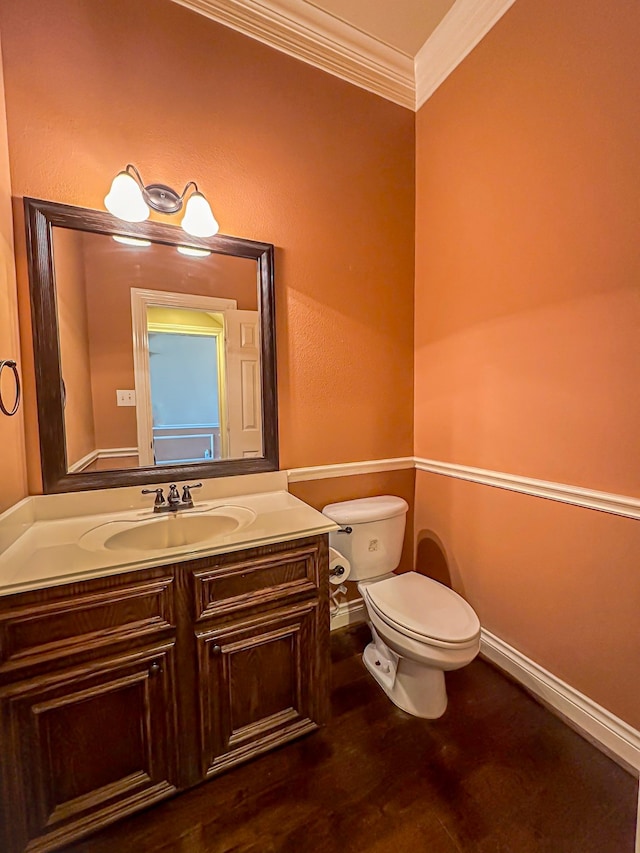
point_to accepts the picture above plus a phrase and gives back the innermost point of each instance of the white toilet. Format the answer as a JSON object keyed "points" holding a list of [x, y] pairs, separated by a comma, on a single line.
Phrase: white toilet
{"points": [[420, 628]]}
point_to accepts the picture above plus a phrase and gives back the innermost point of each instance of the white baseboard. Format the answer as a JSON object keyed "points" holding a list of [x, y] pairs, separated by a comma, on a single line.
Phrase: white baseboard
{"points": [[599, 726], [116, 452], [101, 453], [348, 613], [83, 463]]}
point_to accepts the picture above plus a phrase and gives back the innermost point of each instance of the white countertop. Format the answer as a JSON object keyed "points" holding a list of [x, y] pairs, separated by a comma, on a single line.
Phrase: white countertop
{"points": [[41, 538]]}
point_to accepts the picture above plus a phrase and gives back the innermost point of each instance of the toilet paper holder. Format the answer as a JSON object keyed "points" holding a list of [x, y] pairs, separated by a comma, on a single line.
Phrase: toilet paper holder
{"points": [[337, 571]]}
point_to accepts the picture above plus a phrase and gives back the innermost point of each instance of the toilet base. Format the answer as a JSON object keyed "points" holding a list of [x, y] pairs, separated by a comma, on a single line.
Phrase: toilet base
{"points": [[418, 689]]}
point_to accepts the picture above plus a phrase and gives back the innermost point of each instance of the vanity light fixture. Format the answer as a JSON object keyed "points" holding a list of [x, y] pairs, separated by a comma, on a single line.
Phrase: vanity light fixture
{"points": [[130, 199]]}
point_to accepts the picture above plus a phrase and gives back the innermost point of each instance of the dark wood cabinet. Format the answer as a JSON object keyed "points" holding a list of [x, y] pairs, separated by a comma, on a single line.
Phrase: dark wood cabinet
{"points": [[256, 685], [118, 692], [84, 744]]}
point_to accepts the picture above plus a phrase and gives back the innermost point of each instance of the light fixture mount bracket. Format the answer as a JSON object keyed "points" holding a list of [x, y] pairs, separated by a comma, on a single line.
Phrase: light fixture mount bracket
{"points": [[162, 198]]}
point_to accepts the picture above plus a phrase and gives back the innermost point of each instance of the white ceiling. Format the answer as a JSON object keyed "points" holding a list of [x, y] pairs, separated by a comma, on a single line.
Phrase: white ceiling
{"points": [[402, 24]]}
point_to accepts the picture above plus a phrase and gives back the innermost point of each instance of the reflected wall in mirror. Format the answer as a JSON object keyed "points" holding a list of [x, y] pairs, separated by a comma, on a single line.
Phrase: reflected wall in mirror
{"points": [[154, 346], [155, 352]]}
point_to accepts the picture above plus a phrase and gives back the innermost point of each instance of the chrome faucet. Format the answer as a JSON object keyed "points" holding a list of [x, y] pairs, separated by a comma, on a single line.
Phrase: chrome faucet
{"points": [[173, 502]]}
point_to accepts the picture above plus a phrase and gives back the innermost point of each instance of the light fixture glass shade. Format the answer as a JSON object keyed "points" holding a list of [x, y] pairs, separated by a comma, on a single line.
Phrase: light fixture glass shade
{"points": [[198, 219], [125, 199]]}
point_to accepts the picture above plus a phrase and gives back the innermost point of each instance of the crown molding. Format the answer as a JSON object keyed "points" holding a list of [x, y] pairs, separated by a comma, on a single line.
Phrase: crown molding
{"points": [[464, 25], [314, 36], [317, 38]]}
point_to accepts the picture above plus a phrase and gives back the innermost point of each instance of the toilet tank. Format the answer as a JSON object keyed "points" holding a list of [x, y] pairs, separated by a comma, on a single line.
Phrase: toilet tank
{"points": [[377, 527]]}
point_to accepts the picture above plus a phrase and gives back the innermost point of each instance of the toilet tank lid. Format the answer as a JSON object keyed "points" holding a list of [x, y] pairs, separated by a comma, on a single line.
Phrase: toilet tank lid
{"points": [[364, 510]]}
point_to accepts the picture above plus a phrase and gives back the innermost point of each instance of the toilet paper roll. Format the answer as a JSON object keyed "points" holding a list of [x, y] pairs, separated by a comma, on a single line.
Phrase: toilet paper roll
{"points": [[339, 567]]}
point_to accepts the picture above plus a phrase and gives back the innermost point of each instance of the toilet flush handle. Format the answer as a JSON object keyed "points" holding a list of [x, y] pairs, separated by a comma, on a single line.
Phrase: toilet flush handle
{"points": [[345, 530]]}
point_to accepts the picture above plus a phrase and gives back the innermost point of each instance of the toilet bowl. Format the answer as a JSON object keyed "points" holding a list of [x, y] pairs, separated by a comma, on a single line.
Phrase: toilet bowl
{"points": [[429, 628], [420, 628]]}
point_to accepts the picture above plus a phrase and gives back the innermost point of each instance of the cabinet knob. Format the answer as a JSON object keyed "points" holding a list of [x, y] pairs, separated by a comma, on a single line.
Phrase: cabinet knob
{"points": [[155, 668], [216, 650]]}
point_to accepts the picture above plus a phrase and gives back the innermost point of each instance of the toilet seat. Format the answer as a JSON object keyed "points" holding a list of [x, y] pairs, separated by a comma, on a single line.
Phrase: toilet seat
{"points": [[424, 610]]}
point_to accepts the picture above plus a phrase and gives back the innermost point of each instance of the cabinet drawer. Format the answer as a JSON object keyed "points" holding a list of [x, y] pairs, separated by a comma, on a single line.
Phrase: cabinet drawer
{"points": [[230, 586], [38, 632]]}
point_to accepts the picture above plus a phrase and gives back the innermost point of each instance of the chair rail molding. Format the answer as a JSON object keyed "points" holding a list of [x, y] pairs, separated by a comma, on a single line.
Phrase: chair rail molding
{"points": [[349, 469], [312, 35], [461, 29], [625, 505], [610, 502]]}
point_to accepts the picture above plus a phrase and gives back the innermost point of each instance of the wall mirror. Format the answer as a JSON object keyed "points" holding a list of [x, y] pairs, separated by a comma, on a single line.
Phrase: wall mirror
{"points": [[154, 351]]}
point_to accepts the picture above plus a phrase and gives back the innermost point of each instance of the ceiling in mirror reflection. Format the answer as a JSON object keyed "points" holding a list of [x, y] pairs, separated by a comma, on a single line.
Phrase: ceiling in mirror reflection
{"points": [[184, 387]]}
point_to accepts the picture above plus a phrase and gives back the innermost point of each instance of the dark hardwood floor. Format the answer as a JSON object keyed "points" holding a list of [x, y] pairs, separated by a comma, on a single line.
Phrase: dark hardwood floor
{"points": [[497, 774]]}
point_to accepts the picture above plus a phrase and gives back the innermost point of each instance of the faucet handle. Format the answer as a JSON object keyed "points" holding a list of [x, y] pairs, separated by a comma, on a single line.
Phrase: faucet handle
{"points": [[159, 493], [186, 492]]}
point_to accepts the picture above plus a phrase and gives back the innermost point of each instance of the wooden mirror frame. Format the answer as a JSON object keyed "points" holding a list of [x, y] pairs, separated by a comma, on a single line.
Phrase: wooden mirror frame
{"points": [[40, 218]]}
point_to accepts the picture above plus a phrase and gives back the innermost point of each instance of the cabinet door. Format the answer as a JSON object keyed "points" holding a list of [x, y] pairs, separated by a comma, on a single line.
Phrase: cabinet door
{"points": [[257, 685], [83, 747]]}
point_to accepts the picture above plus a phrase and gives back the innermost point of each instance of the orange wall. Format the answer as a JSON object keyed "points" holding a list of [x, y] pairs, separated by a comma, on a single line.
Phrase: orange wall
{"points": [[527, 331], [112, 270], [13, 478], [560, 583], [286, 154], [527, 261]]}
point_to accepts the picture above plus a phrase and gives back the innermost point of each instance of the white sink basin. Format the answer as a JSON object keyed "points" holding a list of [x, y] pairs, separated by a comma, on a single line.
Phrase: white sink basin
{"points": [[168, 531]]}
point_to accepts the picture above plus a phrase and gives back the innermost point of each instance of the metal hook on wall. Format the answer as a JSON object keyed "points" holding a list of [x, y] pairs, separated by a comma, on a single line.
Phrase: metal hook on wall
{"points": [[12, 365]]}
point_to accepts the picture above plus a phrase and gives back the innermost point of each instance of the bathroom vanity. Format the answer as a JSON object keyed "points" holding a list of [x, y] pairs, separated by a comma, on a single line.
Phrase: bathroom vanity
{"points": [[122, 684]]}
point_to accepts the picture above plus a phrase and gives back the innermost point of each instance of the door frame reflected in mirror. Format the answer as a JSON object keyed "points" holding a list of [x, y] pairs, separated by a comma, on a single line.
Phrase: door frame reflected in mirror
{"points": [[40, 219], [141, 301]]}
